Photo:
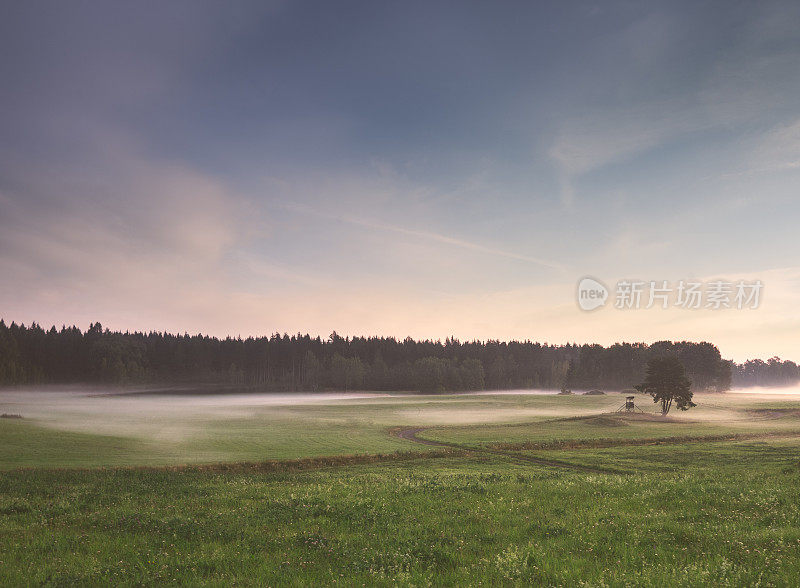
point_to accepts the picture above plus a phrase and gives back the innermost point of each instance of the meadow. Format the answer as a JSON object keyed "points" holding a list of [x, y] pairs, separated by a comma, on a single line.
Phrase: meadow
{"points": [[493, 490]]}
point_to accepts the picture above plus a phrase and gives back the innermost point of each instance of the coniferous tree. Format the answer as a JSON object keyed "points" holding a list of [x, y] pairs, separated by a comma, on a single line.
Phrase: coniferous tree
{"points": [[31, 355]]}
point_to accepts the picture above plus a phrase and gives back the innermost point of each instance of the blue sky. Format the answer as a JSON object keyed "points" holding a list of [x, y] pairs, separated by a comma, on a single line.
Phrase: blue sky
{"points": [[399, 168]]}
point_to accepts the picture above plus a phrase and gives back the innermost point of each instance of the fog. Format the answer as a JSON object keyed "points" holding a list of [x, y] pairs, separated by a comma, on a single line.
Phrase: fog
{"points": [[181, 416], [769, 390], [166, 415], [177, 415]]}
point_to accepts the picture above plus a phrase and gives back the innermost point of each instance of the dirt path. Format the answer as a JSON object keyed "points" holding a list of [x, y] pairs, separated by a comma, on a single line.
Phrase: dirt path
{"points": [[510, 451], [412, 434]]}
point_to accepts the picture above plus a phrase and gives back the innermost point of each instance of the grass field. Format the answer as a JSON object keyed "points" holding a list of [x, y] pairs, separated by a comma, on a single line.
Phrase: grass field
{"points": [[711, 497]]}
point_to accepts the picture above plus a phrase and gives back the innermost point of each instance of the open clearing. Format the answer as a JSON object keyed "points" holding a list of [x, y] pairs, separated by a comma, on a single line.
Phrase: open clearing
{"points": [[76, 428], [377, 490]]}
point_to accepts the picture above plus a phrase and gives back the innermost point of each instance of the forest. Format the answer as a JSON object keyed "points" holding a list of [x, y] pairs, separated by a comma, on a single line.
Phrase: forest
{"points": [[34, 355]]}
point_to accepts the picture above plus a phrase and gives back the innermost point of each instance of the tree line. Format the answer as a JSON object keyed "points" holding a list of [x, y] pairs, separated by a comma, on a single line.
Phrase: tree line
{"points": [[773, 372], [34, 355]]}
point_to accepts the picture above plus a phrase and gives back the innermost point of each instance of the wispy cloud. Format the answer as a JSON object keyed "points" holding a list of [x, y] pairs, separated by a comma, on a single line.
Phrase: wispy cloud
{"points": [[741, 90], [427, 235], [779, 148]]}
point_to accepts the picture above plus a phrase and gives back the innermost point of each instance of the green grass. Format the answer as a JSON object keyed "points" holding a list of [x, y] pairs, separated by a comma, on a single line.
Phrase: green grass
{"points": [[75, 437], [707, 512], [456, 521], [73, 431], [725, 416], [23, 443]]}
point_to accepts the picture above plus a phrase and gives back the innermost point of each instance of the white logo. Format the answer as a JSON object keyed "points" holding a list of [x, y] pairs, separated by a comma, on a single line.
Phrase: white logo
{"points": [[591, 294]]}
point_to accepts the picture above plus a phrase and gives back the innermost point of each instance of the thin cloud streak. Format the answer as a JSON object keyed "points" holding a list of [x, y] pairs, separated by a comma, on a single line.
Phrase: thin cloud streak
{"points": [[445, 239]]}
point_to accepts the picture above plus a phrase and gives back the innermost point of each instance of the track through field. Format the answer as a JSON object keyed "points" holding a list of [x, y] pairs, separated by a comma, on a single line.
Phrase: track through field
{"points": [[411, 434], [510, 451]]}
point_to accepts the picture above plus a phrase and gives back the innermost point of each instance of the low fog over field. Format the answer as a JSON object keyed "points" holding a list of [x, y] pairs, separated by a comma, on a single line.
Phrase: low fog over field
{"points": [[177, 415], [179, 427]]}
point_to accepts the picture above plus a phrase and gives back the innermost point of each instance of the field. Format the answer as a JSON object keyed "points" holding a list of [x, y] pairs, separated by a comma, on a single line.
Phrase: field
{"points": [[416, 490]]}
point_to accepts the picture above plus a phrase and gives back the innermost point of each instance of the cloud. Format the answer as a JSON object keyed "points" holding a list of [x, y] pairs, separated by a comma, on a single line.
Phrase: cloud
{"points": [[140, 235], [401, 197], [742, 88], [427, 235], [778, 149], [591, 142]]}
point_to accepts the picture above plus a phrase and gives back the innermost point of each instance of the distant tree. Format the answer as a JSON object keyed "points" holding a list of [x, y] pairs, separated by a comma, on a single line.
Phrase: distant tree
{"points": [[378, 374], [558, 373], [569, 378], [430, 374], [472, 376], [452, 377], [724, 375], [338, 371], [310, 371], [355, 373], [497, 379], [347, 373], [9, 357], [773, 372], [665, 380]]}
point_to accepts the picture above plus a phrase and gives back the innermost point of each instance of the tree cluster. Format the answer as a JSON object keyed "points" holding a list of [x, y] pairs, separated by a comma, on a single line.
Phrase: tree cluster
{"points": [[773, 372], [32, 355]]}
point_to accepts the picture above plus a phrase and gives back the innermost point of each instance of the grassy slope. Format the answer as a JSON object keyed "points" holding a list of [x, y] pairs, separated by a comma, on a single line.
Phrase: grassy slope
{"points": [[729, 514]]}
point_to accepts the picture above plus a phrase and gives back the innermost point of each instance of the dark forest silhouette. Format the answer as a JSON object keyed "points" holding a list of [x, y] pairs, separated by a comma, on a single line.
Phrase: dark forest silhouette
{"points": [[33, 355]]}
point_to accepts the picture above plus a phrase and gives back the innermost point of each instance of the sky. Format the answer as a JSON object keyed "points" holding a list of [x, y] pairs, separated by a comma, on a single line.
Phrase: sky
{"points": [[424, 169]]}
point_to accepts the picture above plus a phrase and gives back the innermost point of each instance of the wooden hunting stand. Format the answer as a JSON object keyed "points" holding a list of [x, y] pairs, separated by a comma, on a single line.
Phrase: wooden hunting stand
{"points": [[629, 406]]}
